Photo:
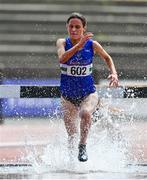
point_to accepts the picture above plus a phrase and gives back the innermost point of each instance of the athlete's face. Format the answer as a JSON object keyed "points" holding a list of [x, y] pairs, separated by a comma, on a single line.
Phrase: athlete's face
{"points": [[75, 28]]}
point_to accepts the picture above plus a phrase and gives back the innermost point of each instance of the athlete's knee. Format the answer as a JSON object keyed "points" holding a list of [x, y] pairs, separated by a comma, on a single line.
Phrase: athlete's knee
{"points": [[85, 114]]}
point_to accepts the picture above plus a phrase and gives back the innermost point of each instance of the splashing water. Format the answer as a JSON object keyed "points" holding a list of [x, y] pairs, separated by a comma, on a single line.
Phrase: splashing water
{"points": [[107, 146], [105, 150]]}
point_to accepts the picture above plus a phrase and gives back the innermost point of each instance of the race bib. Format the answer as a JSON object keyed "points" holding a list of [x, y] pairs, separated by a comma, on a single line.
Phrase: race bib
{"points": [[76, 70]]}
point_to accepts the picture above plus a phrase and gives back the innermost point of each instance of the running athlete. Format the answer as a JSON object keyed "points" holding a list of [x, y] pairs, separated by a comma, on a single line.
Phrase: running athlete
{"points": [[78, 92]]}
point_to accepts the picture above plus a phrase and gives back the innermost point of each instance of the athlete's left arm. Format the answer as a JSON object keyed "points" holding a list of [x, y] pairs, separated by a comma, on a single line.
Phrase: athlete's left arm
{"points": [[98, 49]]}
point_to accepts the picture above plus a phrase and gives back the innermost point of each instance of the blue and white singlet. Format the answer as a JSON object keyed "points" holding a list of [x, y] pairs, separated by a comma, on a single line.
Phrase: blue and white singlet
{"points": [[76, 74]]}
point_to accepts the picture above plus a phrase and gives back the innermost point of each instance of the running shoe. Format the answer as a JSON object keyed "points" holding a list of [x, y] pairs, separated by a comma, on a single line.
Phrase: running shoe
{"points": [[82, 153]]}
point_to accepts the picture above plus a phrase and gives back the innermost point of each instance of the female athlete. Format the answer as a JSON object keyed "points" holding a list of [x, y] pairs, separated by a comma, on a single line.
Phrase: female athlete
{"points": [[78, 92]]}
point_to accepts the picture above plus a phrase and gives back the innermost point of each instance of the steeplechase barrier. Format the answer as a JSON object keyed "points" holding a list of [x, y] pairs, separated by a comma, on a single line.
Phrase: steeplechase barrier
{"points": [[53, 91], [22, 100]]}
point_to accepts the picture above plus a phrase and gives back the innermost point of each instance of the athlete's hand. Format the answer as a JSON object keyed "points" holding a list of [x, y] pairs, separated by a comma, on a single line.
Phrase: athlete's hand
{"points": [[84, 38], [113, 80]]}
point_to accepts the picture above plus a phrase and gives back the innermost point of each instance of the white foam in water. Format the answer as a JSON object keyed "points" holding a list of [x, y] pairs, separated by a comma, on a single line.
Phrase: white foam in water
{"points": [[104, 154], [107, 147]]}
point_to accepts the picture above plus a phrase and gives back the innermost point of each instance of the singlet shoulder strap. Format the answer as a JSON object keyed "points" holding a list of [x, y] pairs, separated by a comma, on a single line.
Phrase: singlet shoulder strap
{"points": [[68, 43]]}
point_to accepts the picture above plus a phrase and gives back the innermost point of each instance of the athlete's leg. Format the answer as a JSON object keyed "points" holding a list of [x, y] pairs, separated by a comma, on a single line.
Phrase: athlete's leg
{"points": [[70, 115], [87, 108]]}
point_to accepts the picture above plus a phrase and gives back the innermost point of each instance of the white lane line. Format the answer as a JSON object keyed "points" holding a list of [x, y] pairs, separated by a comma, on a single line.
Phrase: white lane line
{"points": [[23, 144]]}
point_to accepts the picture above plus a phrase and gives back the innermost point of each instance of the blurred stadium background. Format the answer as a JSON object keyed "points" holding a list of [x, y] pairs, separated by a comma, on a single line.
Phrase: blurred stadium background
{"points": [[29, 30]]}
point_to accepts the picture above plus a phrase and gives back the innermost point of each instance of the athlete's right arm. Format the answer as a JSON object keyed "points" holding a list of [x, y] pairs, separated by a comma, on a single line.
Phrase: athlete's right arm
{"points": [[65, 55]]}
